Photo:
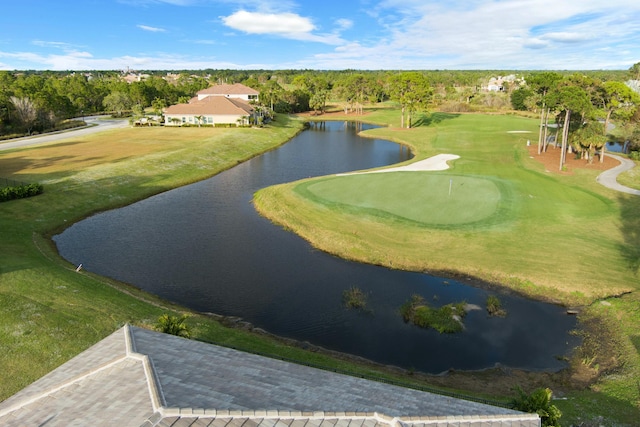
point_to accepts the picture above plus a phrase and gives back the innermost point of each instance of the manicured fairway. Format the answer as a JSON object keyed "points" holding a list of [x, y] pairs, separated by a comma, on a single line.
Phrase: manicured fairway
{"points": [[507, 219], [430, 199]]}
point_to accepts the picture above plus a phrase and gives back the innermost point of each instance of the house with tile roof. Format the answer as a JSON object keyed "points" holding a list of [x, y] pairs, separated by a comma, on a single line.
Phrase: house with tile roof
{"points": [[137, 377], [217, 105]]}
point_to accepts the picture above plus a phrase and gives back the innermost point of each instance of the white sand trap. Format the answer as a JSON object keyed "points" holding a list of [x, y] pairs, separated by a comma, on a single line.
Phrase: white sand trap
{"points": [[435, 163]]}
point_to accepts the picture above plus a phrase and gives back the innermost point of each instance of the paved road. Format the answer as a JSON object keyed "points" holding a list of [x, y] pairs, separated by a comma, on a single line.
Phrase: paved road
{"points": [[608, 177], [96, 124]]}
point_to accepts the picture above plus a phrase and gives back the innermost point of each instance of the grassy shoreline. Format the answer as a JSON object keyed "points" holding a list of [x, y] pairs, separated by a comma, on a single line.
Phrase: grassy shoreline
{"points": [[50, 312]]}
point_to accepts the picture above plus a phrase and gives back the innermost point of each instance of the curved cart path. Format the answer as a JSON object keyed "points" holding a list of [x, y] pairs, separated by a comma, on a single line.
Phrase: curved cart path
{"points": [[608, 177]]}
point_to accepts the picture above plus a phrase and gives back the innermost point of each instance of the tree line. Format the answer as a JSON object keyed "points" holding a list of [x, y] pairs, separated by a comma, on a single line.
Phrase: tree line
{"points": [[33, 101]]}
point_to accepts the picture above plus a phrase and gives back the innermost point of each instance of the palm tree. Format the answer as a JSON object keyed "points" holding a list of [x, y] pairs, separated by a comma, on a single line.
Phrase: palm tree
{"points": [[538, 402], [173, 325]]}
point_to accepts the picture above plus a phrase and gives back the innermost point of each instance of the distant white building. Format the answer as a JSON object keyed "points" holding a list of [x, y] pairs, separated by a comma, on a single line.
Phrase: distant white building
{"points": [[496, 84]]}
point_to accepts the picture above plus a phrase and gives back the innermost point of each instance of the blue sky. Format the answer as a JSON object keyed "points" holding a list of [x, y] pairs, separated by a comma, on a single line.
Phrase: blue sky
{"points": [[327, 34]]}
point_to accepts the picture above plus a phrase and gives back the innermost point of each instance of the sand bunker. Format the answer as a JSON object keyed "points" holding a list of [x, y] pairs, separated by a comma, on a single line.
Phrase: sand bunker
{"points": [[435, 163]]}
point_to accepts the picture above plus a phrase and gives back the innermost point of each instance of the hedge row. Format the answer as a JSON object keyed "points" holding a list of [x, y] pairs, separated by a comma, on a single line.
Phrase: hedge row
{"points": [[20, 192]]}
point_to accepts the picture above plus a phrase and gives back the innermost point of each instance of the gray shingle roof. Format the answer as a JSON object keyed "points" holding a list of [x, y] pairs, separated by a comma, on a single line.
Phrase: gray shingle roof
{"points": [[137, 377]]}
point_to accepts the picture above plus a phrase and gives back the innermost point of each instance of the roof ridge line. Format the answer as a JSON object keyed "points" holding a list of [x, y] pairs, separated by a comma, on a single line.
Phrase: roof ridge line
{"points": [[158, 400]]}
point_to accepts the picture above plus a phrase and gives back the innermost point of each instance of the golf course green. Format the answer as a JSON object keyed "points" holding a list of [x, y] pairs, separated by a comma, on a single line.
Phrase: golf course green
{"points": [[421, 198]]}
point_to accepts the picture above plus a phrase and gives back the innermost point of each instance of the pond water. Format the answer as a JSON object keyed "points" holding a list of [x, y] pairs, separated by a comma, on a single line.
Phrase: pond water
{"points": [[204, 246]]}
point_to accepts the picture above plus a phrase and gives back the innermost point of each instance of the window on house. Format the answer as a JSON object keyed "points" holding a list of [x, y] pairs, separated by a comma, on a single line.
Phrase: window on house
{"points": [[184, 120]]}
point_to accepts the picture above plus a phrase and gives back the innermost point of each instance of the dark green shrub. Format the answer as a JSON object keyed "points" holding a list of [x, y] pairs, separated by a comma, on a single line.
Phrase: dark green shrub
{"points": [[173, 325], [354, 298], [538, 402], [20, 192], [446, 319]]}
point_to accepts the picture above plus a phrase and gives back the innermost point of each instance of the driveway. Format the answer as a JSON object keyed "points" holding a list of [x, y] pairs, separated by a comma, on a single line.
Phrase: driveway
{"points": [[608, 177], [95, 124]]}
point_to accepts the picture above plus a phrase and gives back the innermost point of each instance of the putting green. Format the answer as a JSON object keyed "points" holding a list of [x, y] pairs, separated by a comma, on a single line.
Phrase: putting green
{"points": [[430, 199]]}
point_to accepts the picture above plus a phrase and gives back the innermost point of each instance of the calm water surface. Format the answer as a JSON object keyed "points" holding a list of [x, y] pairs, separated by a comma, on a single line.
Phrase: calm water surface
{"points": [[204, 246]]}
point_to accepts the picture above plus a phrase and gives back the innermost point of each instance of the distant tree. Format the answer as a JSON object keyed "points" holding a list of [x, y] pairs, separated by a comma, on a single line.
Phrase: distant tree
{"points": [[158, 106], [634, 71], [25, 111], [412, 91], [269, 93], [519, 98], [318, 100], [355, 90], [117, 102]]}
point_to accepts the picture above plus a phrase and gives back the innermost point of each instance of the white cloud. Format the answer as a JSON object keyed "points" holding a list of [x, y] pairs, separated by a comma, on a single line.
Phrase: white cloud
{"points": [[151, 29], [58, 45], [344, 24], [287, 24]]}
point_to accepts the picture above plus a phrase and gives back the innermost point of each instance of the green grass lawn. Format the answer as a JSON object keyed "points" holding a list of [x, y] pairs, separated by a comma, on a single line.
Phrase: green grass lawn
{"points": [[422, 198]]}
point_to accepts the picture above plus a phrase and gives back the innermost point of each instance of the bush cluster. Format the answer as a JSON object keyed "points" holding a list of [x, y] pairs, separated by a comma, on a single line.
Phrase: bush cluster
{"points": [[446, 319], [20, 192]]}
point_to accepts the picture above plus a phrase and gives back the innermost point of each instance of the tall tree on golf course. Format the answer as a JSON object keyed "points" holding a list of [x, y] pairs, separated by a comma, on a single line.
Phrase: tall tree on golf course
{"points": [[570, 99], [542, 83], [412, 90]]}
